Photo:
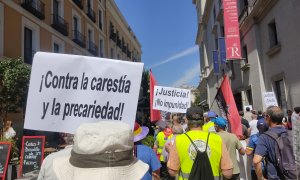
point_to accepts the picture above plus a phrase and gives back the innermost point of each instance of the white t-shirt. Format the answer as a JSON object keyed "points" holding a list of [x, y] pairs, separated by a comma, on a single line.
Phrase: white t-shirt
{"points": [[10, 133], [253, 127]]}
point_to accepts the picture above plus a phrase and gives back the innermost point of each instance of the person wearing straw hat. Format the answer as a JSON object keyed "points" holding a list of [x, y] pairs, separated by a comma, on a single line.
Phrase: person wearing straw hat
{"points": [[145, 153], [102, 150]]}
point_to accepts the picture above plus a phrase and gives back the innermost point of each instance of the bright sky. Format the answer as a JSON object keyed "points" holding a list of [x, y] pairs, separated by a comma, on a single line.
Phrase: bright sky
{"points": [[167, 31]]}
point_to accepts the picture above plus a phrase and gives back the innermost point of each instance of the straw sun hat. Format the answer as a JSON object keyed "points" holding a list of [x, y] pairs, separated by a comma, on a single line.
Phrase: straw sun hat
{"points": [[102, 150]]}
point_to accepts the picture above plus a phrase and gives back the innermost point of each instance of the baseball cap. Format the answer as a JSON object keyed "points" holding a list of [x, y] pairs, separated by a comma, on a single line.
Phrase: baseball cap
{"points": [[212, 114], [194, 113], [262, 125], [220, 121]]}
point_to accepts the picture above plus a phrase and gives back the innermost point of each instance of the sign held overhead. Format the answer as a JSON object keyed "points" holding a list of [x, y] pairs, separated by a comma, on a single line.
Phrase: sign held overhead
{"points": [[171, 99], [67, 90]]}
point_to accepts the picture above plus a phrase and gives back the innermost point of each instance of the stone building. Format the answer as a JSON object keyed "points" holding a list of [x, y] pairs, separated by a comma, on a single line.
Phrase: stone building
{"points": [[269, 49]]}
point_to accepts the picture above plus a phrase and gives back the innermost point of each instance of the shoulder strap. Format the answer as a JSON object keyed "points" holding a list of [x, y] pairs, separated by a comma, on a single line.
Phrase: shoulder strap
{"points": [[273, 135], [207, 141], [196, 148], [192, 142]]}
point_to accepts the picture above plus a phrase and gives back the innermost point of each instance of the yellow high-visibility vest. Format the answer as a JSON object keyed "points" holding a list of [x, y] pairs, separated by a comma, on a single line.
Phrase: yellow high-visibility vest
{"points": [[187, 152], [162, 139], [209, 127]]}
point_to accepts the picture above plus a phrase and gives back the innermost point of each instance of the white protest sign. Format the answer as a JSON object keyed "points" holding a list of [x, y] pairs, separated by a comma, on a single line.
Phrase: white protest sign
{"points": [[68, 90], [270, 99], [171, 99]]}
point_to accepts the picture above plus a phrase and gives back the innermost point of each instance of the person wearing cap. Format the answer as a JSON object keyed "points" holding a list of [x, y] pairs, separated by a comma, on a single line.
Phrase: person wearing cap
{"points": [[210, 126], [145, 153], [102, 150], [182, 152], [232, 143], [253, 140], [161, 139]]}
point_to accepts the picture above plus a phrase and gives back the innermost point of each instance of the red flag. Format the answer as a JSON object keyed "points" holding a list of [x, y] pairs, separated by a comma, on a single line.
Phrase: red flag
{"points": [[154, 114], [229, 106]]}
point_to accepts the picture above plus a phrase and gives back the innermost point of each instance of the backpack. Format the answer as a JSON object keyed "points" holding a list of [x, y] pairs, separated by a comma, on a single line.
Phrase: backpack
{"points": [[285, 159], [201, 169]]}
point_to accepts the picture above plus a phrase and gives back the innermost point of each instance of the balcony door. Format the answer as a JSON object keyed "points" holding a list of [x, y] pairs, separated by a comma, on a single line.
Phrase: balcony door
{"points": [[28, 50], [55, 7]]}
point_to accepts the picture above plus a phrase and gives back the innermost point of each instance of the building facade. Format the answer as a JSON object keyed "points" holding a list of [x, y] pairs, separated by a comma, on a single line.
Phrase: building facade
{"points": [[82, 27], [269, 42]]}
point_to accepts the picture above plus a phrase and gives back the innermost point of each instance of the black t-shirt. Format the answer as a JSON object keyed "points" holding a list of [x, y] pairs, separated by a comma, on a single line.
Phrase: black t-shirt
{"points": [[245, 122]]}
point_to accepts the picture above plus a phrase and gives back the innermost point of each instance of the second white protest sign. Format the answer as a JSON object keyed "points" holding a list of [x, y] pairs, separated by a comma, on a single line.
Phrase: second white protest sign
{"points": [[171, 99], [67, 90]]}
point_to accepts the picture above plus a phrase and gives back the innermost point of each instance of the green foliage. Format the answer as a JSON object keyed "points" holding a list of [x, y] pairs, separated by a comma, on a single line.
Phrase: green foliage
{"points": [[14, 81], [148, 141], [197, 99]]}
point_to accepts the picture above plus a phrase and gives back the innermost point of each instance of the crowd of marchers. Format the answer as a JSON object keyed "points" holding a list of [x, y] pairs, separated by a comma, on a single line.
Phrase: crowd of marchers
{"points": [[195, 145]]}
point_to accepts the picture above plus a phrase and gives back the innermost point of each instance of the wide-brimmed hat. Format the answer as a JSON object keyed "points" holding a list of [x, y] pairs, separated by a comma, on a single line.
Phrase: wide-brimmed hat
{"points": [[140, 132], [102, 150]]}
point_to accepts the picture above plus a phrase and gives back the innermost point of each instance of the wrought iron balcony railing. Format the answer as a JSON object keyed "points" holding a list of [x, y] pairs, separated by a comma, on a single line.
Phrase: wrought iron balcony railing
{"points": [[60, 24], [36, 7], [79, 38]]}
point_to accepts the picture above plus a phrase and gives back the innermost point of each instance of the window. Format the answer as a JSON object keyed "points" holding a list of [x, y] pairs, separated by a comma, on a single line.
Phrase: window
{"points": [[100, 19], [249, 96], [90, 4], [245, 54], [214, 13], [75, 24], [101, 47], [58, 7], [273, 34], [112, 53], [280, 93], [90, 35], [56, 48], [28, 47], [222, 31]]}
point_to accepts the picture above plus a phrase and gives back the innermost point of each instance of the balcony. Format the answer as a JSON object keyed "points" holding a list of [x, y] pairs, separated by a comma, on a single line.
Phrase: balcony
{"points": [[60, 24], [124, 49], [92, 48], [79, 38], [119, 43], [91, 14], [36, 7], [79, 3], [128, 53], [113, 36]]}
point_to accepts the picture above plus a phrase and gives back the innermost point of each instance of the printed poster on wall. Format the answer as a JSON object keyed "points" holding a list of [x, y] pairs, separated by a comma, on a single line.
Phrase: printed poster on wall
{"points": [[171, 99], [68, 90]]}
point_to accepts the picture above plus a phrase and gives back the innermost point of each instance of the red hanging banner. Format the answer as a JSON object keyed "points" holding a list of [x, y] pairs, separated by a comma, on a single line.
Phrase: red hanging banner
{"points": [[154, 114], [232, 30]]}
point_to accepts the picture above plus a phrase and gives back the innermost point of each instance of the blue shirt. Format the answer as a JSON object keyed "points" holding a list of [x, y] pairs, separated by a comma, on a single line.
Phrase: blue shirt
{"points": [[266, 148], [147, 155]]}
